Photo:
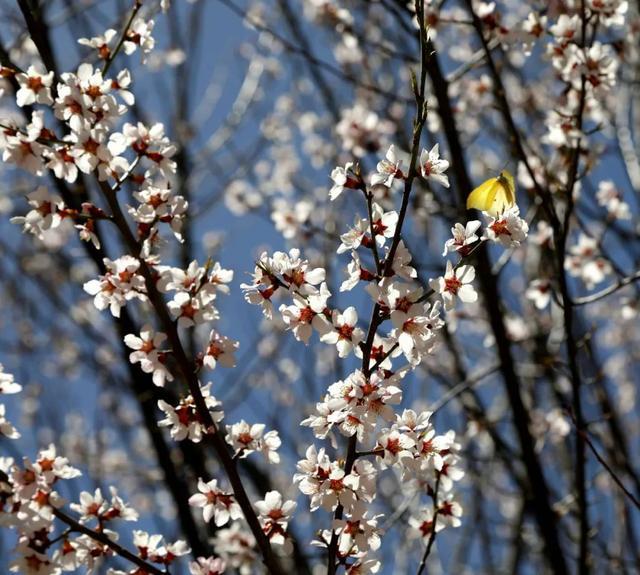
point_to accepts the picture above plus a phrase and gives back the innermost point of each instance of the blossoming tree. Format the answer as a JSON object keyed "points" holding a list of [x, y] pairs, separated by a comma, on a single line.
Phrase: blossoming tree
{"points": [[430, 363]]}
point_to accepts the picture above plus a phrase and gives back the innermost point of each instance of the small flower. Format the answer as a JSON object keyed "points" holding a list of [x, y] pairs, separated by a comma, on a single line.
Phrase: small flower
{"points": [[47, 213], [24, 152], [237, 547], [192, 310], [344, 178], [102, 43], [610, 197], [139, 35], [35, 87], [146, 544], [509, 229], [148, 352], [356, 273], [289, 219], [274, 515], [539, 292], [401, 260], [90, 152], [120, 283], [169, 552], [355, 236], [6, 429], [383, 223], [184, 419], [221, 350], [245, 439], [52, 467], [90, 506], [86, 232], [215, 503], [7, 384], [357, 532], [415, 329], [343, 331], [463, 238], [388, 169], [306, 313], [449, 513], [396, 447], [432, 167], [62, 163], [456, 283], [584, 261], [296, 272], [610, 12]]}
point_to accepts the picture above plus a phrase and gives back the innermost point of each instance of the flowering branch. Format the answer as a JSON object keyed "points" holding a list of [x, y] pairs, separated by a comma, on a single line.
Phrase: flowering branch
{"points": [[191, 380], [78, 527]]}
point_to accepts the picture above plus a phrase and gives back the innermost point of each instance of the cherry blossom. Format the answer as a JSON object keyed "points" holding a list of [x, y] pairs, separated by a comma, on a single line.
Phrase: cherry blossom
{"points": [[306, 313], [464, 237], [585, 262], [346, 177], [121, 283], [546, 89], [23, 151], [383, 223], [103, 43], [35, 87], [245, 439], [415, 329], [184, 421], [325, 482], [456, 283], [47, 213], [139, 35], [432, 167], [237, 547], [274, 515], [7, 384], [220, 350], [149, 353], [395, 446], [388, 169], [539, 292], [609, 197], [362, 130], [342, 331], [6, 429], [215, 503], [356, 236], [509, 229]]}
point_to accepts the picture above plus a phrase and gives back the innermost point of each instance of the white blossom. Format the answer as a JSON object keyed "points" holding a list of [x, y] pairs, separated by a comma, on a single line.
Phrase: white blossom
{"points": [[432, 167]]}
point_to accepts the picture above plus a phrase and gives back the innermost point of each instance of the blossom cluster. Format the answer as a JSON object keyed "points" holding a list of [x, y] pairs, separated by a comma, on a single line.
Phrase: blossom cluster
{"points": [[74, 131], [362, 405], [31, 504]]}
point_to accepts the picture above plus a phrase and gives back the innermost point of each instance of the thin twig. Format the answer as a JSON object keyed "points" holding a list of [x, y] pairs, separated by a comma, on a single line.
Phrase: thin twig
{"points": [[607, 291], [432, 536], [123, 37], [604, 464]]}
